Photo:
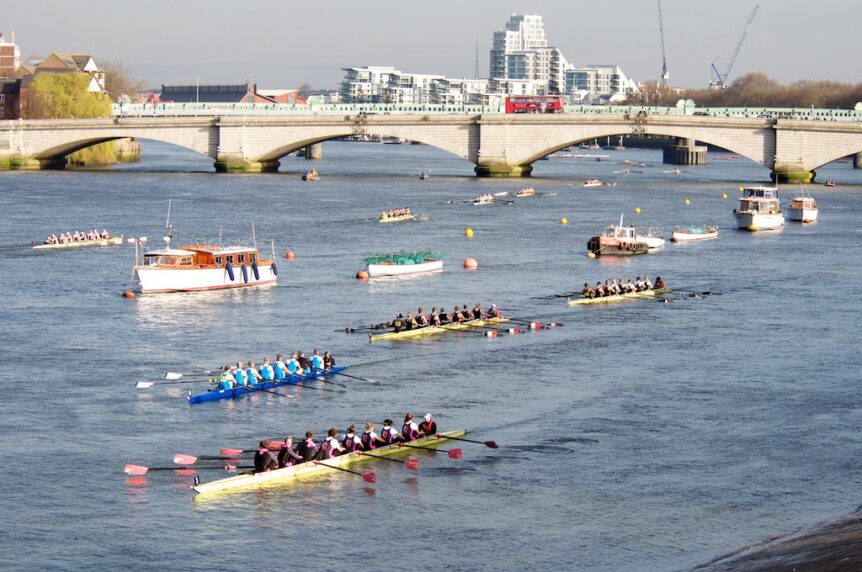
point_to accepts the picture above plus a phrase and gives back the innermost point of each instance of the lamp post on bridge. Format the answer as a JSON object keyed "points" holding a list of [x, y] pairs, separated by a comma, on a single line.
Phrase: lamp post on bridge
{"points": [[197, 90]]}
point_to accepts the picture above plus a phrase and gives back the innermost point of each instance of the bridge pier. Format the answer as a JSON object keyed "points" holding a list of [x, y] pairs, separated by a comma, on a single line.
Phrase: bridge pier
{"points": [[857, 161], [685, 152], [236, 163], [791, 173], [314, 151], [502, 169], [18, 162]]}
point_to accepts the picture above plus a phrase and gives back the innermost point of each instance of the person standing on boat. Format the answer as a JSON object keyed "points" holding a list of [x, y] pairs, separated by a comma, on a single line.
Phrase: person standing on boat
{"points": [[316, 361], [239, 374], [307, 450], [330, 447], [428, 426], [328, 361], [388, 434], [351, 442], [264, 460], [370, 439], [409, 431], [287, 457]]}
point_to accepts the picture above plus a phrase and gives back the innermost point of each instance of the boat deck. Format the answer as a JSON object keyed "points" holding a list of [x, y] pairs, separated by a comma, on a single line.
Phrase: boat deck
{"points": [[619, 297], [435, 330]]}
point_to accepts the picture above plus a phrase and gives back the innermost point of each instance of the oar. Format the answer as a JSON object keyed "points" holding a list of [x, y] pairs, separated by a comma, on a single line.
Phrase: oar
{"points": [[138, 470], [255, 388], [173, 375], [322, 379], [453, 453], [181, 459], [367, 476], [350, 330], [355, 377], [410, 464], [489, 444], [148, 384]]}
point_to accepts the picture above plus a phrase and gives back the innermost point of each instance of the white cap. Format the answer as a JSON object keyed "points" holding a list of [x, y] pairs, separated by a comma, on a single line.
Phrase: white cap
{"points": [[428, 417]]}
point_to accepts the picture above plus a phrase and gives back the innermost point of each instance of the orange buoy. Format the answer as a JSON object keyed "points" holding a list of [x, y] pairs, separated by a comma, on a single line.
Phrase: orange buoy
{"points": [[362, 275], [128, 294], [288, 255], [471, 264]]}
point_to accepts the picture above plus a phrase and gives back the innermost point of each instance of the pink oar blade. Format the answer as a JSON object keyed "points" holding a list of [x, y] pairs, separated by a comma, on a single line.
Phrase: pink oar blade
{"points": [[135, 470], [369, 477], [231, 452], [454, 453], [412, 464], [180, 459]]}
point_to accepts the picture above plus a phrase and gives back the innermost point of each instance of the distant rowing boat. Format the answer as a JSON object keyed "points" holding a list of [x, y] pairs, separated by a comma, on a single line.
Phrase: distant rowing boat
{"points": [[113, 241], [435, 330], [619, 297], [312, 469], [240, 390]]}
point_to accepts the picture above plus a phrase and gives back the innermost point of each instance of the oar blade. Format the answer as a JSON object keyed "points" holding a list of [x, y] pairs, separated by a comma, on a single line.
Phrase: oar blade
{"points": [[173, 375], [454, 453], [135, 470], [144, 384], [180, 459], [412, 464], [231, 452], [369, 477], [491, 444]]}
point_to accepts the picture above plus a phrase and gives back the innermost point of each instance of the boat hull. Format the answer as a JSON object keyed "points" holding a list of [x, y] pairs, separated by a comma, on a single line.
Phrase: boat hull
{"points": [[402, 269], [758, 221], [313, 470], [156, 280], [435, 330], [239, 391], [397, 218], [684, 236], [619, 297], [615, 247], [114, 241], [801, 215]]}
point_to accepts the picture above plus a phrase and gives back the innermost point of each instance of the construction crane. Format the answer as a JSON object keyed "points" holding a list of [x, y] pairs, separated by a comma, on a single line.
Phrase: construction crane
{"points": [[664, 74], [719, 80]]}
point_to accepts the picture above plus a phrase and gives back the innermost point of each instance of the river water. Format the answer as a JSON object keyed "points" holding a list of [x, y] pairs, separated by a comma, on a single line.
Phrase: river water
{"points": [[640, 436]]}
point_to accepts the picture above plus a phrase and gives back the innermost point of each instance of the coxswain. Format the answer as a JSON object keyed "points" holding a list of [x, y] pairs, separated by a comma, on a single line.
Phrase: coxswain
{"points": [[267, 372], [316, 361], [398, 323], [493, 312], [370, 439], [330, 447], [659, 283], [477, 311], [421, 319], [389, 434], [225, 379], [287, 457], [264, 460], [307, 450], [279, 369], [428, 426], [351, 442], [240, 376], [409, 430], [252, 373], [304, 364], [647, 283], [328, 361]]}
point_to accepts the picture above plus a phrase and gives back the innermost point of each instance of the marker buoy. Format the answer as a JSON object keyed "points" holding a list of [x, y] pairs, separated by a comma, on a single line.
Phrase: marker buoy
{"points": [[564, 220], [637, 210], [535, 326], [288, 255], [514, 331], [491, 334], [687, 202], [128, 294], [362, 275], [724, 195], [471, 264], [468, 233], [591, 254]]}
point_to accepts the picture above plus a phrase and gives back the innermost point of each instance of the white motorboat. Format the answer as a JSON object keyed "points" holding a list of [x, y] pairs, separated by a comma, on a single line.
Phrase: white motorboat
{"points": [[802, 208], [759, 209]]}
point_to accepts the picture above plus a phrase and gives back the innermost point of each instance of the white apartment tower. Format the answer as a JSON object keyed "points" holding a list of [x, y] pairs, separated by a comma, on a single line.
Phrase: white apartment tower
{"points": [[521, 52]]}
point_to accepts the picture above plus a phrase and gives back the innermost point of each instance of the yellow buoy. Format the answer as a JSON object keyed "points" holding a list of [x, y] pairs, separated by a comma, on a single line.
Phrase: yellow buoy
{"points": [[564, 220], [591, 254], [724, 195], [637, 210], [468, 233], [688, 202], [740, 189]]}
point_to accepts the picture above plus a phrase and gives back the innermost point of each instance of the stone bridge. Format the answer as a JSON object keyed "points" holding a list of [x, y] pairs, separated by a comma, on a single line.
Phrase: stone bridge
{"points": [[498, 144]]}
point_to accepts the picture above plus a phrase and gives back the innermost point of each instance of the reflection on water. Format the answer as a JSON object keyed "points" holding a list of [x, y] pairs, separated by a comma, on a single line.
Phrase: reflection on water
{"points": [[204, 309], [385, 284]]}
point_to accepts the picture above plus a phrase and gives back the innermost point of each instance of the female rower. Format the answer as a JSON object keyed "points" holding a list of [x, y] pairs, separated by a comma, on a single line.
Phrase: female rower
{"points": [[351, 442], [457, 316], [409, 431], [267, 372], [370, 439], [328, 360], [316, 361], [279, 370], [308, 448], [443, 317], [330, 447], [434, 319], [304, 364], [253, 375], [388, 434], [293, 365], [647, 283], [287, 457], [264, 460], [410, 321], [477, 311], [225, 379], [421, 319], [600, 291], [428, 427], [239, 374]]}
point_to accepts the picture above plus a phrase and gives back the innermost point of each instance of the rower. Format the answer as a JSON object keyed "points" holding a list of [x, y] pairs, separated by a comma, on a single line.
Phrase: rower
{"points": [[370, 439], [587, 292], [410, 321], [442, 316], [264, 460], [600, 291], [466, 313], [429, 426], [421, 319], [287, 457], [279, 370], [308, 448], [388, 434], [409, 430], [640, 284], [351, 442], [647, 283], [328, 361], [239, 374], [630, 287], [477, 311], [105, 234], [316, 361], [267, 372], [225, 379], [493, 312], [659, 283], [330, 447], [304, 364], [608, 288], [457, 316], [434, 319], [253, 375], [293, 365]]}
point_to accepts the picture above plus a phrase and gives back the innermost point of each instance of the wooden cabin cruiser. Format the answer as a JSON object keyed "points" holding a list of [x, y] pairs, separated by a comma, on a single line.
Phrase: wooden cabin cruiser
{"points": [[759, 209], [802, 208]]}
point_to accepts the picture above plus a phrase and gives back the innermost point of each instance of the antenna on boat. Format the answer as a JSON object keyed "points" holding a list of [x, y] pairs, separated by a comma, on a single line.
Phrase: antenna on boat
{"points": [[169, 232], [621, 220], [272, 244], [219, 236], [253, 237]]}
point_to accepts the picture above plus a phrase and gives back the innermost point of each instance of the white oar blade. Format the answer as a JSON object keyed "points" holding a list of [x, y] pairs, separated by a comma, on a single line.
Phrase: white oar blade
{"points": [[172, 375], [144, 384]]}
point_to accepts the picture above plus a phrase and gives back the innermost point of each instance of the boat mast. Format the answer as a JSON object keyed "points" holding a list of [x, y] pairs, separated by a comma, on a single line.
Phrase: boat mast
{"points": [[169, 232], [253, 237]]}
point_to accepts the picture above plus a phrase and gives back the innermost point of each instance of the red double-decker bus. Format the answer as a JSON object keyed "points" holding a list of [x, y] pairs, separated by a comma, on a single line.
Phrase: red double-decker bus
{"points": [[534, 104]]}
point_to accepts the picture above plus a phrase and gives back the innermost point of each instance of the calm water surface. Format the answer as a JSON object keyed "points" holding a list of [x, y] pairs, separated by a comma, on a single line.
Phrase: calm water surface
{"points": [[642, 436]]}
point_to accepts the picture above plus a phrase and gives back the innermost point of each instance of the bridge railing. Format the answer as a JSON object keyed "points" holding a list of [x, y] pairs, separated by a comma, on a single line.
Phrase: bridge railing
{"points": [[277, 109]]}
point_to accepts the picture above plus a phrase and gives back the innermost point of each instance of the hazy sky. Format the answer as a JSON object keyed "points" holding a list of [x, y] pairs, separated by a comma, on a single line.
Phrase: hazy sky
{"points": [[284, 44]]}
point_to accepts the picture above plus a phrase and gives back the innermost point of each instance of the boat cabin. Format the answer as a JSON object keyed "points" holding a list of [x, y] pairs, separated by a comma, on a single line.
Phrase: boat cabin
{"points": [[200, 256], [621, 232], [760, 193], [802, 203]]}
